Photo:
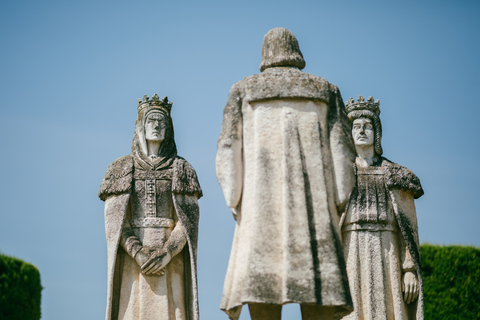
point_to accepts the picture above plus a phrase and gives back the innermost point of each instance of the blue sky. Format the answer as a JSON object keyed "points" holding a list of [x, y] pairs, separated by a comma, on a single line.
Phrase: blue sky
{"points": [[71, 72]]}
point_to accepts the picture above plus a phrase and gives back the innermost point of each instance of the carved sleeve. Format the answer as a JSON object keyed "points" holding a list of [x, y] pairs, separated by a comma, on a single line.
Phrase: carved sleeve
{"points": [[229, 160], [404, 206], [406, 260], [176, 241], [129, 241], [342, 148]]}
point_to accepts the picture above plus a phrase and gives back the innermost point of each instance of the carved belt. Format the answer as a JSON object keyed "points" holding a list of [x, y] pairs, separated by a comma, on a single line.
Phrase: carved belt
{"points": [[364, 171], [152, 222], [153, 175], [368, 227]]}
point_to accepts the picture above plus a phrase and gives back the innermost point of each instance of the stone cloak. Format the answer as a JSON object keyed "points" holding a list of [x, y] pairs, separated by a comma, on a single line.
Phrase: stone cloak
{"points": [[284, 163], [115, 191]]}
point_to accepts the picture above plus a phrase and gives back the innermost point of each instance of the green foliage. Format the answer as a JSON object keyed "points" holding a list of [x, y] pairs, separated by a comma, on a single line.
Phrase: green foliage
{"points": [[20, 290], [451, 281]]}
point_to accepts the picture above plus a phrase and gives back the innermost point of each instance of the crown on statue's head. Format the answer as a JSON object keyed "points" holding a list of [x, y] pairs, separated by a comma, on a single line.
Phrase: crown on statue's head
{"points": [[361, 104], [155, 102]]}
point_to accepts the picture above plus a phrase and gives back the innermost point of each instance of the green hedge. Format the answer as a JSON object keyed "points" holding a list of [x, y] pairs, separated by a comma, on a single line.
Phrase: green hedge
{"points": [[451, 281], [20, 290]]}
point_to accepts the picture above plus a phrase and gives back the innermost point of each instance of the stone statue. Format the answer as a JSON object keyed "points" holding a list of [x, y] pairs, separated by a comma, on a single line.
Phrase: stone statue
{"points": [[379, 227], [285, 164], [151, 223]]}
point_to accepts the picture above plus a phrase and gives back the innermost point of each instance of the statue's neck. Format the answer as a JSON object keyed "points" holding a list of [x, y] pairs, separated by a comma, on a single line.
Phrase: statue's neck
{"points": [[153, 147], [366, 156]]}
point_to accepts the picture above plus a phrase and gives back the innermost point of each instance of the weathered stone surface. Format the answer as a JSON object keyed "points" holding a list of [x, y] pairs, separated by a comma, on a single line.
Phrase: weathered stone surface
{"points": [[379, 227], [285, 164], [280, 49], [151, 224]]}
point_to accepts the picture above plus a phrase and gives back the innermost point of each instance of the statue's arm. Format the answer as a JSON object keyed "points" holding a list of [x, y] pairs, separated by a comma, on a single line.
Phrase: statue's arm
{"points": [[229, 159], [410, 285], [406, 260], [131, 243], [176, 241], [343, 150]]}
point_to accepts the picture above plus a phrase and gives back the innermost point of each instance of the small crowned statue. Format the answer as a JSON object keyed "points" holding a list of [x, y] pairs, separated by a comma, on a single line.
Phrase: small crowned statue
{"points": [[379, 226], [285, 165], [151, 223]]}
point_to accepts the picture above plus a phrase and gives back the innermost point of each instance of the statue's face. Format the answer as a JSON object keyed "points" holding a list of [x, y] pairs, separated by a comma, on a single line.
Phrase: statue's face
{"points": [[363, 132], [155, 127]]}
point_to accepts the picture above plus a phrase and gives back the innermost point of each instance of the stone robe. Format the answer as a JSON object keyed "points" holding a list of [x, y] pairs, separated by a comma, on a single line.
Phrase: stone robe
{"points": [[380, 235], [284, 163], [130, 294]]}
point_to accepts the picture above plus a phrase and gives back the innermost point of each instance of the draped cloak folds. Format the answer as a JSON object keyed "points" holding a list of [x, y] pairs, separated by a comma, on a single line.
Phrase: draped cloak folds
{"points": [[285, 165], [115, 190], [403, 186]]}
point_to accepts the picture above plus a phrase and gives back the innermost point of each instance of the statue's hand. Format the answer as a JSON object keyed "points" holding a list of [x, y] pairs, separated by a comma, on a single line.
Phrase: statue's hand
{"points": [[157, 263], [410, 287], [142, 256]]}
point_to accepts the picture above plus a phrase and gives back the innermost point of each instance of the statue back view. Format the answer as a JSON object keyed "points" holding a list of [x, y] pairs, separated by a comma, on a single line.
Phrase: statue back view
{"points": [[285, 165]]}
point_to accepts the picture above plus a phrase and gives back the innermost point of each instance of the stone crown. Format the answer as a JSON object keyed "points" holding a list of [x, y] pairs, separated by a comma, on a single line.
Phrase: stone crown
{"points": [[155, 102], [361, 104]]}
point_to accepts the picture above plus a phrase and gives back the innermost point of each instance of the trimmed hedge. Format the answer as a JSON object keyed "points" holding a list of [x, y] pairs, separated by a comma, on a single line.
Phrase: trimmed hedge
{"points": [[20, 290], [451, 281]]}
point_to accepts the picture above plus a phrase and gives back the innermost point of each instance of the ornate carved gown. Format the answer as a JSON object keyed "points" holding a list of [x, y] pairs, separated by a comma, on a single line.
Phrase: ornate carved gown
{"points": [[153, 220], [376, 252]]}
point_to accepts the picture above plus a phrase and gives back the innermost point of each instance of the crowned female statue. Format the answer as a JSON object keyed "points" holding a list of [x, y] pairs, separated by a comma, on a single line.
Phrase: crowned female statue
{"points": [[379, 226], [151, 224]]}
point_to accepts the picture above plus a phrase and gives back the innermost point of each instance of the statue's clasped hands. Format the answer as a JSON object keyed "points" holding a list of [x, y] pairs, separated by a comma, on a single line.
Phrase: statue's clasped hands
{"points": [[410, 287], [153, 262]]}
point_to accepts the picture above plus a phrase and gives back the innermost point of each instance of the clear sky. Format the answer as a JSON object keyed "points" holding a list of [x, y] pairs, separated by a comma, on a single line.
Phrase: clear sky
{"points": [[72, 71]]}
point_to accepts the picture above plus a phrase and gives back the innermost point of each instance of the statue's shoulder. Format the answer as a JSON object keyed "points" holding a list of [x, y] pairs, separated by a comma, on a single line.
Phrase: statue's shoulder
{"points": [[400, 177], [118, 178], [322, 82], [185, 179], [283, 75], [279, 83]]}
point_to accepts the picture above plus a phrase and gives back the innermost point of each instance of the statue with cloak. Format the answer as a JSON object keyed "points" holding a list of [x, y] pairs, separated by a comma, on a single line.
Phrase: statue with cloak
{"points": [[285, 165], [151, 224], [379, 226]]}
